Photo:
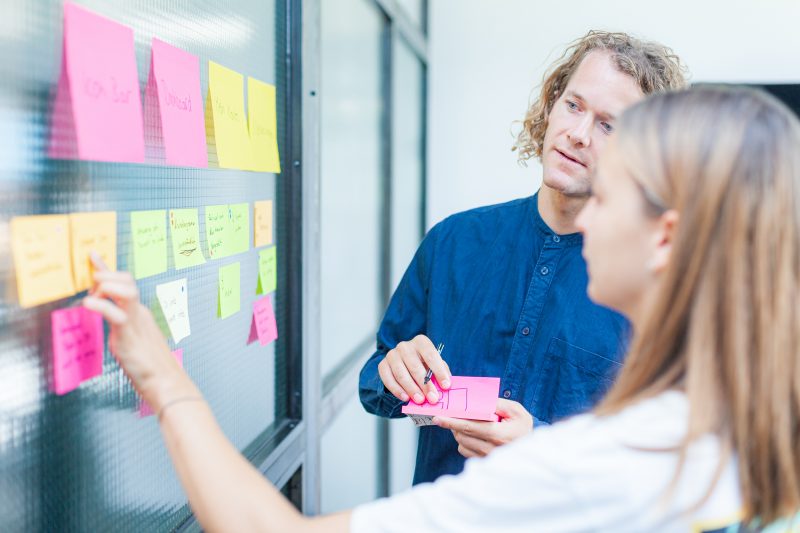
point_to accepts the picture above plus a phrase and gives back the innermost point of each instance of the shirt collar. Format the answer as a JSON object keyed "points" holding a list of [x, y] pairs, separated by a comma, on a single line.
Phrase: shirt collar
{"points": [[548, 234]]}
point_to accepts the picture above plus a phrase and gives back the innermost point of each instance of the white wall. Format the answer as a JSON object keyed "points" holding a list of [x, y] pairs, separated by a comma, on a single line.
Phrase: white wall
{"points": [[485, 57]]}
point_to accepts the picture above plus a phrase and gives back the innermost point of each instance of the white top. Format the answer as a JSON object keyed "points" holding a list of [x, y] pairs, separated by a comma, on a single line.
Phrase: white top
{"points": [[587, 473]]}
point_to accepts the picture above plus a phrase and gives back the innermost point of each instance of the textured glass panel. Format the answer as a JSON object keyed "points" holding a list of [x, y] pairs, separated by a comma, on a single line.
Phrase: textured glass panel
{"points": [[413, 9], [85, 461], [351, 174]]}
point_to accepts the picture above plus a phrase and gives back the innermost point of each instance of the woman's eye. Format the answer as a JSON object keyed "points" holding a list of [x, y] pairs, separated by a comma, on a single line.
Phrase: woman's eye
{"points": [[572, 106]]}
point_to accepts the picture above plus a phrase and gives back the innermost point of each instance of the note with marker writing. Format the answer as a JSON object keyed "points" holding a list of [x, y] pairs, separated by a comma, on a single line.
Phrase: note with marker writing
{"points": [[240, 227], [97, 113], [262, 227], [263, 326], [267, 270], [185, 238], [218, 230], [144, 407], [149, 237], [92, 232], [174, 86], [174, 300], [77, 347], [263, 126], [40, 246], [229, 294], [473, 398], [231, 137]]}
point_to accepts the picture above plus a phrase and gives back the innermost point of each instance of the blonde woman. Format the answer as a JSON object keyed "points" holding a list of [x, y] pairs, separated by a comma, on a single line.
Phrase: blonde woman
{"points": [[693, 232]]}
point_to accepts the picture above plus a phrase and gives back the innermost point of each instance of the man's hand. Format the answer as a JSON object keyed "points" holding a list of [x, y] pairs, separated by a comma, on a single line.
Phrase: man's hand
{"points": [[403, 370], [476, 438]]}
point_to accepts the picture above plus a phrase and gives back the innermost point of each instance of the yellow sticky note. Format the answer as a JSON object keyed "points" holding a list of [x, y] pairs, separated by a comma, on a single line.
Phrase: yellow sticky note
{"points": [[262, 228], [92, 232], [263, 123], [229, 297], [240, 228], [185, 238], [149, 235], [40, 246], [218, 230], [267, 270], [231, 135]]}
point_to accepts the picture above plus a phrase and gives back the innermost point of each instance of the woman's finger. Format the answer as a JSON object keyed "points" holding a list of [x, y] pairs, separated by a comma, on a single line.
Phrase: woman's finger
{"points": [[110, 312]]}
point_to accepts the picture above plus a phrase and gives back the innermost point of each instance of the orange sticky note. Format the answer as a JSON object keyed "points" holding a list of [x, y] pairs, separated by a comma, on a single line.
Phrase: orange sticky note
{"points": [[92, 232], [40, 246], [262, 229]]}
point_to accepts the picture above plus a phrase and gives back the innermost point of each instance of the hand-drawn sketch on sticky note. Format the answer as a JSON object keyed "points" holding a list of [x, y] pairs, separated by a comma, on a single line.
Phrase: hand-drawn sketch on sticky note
{"points": [[473, 398]]}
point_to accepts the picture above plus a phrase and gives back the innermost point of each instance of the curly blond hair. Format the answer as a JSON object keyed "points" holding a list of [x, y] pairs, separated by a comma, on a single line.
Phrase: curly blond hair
{"points": [[655, 68]]}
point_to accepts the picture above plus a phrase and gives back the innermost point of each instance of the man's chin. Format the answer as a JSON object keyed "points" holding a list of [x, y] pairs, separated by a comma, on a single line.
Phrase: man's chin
{"points": [[567, 186]]}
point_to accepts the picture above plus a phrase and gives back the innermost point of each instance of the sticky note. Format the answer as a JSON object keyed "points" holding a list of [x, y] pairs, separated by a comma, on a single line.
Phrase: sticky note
{"points": [[218, 230], [240, 228], [92, 232], [144, 408], [262, 227], [473, 398], [185, 238], [149, 237], [174, 87], [77, 347], [263, 326], [174, 300], [229, 299], [97, 112], [267, 270], [229, 122], [40, 246], [263, 123]]}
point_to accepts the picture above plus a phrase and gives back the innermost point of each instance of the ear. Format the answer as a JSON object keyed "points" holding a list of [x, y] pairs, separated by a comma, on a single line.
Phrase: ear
{"points": [[666, 226]]}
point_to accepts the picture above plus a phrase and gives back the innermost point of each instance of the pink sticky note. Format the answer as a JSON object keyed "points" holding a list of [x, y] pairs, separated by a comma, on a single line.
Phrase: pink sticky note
{"points": [[473, 398], [174, 106], [77, 347], [144, 408], [263, 326], [97, 113]]}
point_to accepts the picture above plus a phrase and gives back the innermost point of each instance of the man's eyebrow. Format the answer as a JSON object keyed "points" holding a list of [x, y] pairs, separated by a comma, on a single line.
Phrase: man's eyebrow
{"points": [[605, 115]]}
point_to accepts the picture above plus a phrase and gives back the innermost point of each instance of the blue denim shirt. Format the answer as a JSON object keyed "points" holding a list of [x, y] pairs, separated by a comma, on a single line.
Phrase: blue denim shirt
{"points": [[507, 297]]}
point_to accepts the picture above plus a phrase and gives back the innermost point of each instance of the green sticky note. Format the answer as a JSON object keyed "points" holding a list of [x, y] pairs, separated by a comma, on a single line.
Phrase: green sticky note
{"points": [[218, 230], [229, 298], [240, 228], [149, 236], [267, 270], [185, 238]]}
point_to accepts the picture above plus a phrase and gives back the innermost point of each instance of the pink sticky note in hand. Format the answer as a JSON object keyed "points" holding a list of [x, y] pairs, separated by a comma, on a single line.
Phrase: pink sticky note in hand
{"points": [[77, 347], [473, 398], [174, 106], [144, 407], [263, 326], [97, 113]]}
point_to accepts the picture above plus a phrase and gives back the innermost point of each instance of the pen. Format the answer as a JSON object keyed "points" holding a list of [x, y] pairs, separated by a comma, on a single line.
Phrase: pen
{"points": [[429, 373]]}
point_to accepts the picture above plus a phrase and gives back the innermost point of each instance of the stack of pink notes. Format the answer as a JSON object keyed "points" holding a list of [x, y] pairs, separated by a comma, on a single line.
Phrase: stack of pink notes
{"points": [[468, 397]]}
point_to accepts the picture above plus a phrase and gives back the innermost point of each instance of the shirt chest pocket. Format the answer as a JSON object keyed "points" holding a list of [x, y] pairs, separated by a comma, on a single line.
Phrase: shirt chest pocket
{"points": [[572, 380]]}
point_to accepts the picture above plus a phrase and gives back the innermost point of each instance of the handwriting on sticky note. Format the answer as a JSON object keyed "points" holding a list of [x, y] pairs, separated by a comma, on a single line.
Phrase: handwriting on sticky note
{"points": [[240, 227], [92, 232], [175, 76], [231, 137], [229, 297], [185, 238], [267, 270], [263, 326], [473, 398], [174, 300], [144, 407], [40, 246], [149, 236], [77, 347], [218, 230], [263, 125], [262, 227], [98, 92]]}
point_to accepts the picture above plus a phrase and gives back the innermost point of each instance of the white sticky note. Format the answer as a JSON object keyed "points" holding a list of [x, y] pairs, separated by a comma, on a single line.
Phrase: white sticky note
{"points": [[174, 302]]}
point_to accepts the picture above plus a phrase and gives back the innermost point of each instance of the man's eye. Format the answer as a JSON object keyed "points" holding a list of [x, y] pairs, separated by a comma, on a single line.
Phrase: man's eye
{"points": [[608, 128], [572, 106]]}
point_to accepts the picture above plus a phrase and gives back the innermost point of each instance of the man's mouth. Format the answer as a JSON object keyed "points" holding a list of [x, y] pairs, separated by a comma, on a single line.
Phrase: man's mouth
{"points": [[570, 158]]}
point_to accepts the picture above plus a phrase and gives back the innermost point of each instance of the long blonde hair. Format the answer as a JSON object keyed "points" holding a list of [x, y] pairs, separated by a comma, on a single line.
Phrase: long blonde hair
{"points": [[725, 323]]}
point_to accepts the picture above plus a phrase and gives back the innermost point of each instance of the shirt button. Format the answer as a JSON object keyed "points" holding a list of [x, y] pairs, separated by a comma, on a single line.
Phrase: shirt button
{"points": [[544, 271], [556, 238], [526, 330], [506, 394]]}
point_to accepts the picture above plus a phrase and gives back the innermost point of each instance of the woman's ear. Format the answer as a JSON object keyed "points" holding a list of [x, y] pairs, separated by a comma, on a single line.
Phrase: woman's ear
{"points": [[665, 230]]}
